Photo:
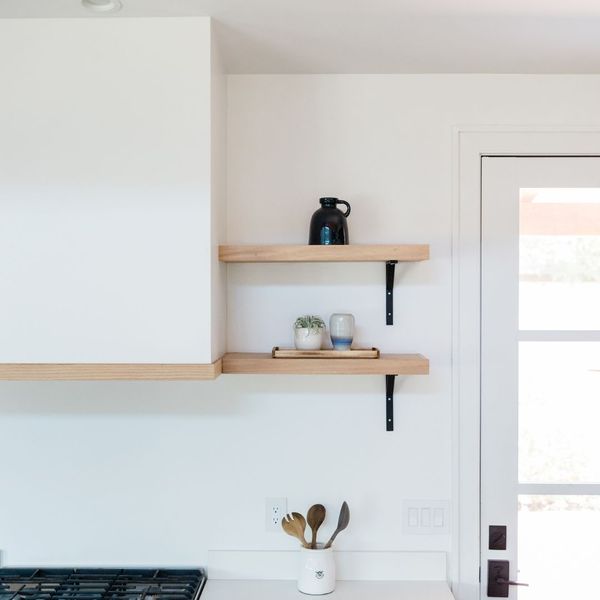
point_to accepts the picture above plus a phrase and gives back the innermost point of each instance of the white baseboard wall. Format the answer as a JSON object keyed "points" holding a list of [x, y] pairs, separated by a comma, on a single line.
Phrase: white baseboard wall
{"points": [[353, 566]]}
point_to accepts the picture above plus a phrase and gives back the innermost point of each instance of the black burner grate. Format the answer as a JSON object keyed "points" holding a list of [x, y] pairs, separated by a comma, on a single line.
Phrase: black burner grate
{"points": [[101, 584]]}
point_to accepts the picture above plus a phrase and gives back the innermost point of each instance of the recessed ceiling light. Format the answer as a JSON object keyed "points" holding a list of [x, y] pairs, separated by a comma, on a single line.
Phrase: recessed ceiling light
{"points": [[103, 6]]}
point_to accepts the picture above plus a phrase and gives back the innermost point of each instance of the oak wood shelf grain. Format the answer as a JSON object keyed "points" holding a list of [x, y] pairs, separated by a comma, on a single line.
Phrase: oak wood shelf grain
{"points": [[109, 371], [305, 253], [265, 364]]}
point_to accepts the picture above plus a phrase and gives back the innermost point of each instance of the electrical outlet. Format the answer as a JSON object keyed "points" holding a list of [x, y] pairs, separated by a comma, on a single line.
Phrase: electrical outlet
{"points": [[275, 509]]}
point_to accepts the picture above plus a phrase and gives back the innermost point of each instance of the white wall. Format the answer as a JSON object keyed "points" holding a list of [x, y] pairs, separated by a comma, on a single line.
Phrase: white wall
{"points": [[171, 470], [105, 190], [218, 194]]}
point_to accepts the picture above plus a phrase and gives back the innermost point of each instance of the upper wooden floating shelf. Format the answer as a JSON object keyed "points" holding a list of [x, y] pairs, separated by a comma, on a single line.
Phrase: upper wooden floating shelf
{"points": [[386, 364], [349, 253], [109, 372]]}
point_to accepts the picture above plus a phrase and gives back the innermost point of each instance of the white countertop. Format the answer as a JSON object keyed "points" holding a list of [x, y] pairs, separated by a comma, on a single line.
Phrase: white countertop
{"points": [[345, 590]]}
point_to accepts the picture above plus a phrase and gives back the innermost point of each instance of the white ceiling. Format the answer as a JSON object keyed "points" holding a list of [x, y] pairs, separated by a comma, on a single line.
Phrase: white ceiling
{"points": [[380, 36]]}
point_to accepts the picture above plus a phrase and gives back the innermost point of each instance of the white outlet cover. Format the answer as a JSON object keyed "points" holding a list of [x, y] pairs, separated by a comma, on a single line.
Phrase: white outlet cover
{"points": [[275, 509], [425, 517]]}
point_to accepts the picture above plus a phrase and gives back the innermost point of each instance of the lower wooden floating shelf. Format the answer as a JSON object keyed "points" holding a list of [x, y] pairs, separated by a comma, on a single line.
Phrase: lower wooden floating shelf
{"points": [[386, 364], [109, 372], [242, 363], [232, 363]]}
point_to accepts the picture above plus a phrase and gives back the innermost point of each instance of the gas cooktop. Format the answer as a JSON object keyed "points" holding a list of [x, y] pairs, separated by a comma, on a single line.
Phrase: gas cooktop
{"points": [[101, 584]]}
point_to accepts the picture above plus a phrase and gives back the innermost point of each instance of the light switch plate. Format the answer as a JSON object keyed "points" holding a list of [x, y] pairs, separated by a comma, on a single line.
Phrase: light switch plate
{"points": [[425, 517]]}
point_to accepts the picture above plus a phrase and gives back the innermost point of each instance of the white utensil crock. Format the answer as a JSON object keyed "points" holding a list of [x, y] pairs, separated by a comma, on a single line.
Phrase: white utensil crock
{"points": [[308, 339], [317, 571]]}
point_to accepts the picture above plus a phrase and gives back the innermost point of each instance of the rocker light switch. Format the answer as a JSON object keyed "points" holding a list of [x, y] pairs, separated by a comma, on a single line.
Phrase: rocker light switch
{"points": [[413, 517]]}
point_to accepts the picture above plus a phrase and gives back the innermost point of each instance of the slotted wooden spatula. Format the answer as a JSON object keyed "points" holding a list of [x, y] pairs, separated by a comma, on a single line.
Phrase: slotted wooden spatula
{"points": [[295, 525]]}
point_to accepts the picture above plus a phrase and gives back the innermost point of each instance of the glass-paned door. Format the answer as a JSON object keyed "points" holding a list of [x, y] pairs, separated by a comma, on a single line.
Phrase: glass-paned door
{"points": [[540, 377]]}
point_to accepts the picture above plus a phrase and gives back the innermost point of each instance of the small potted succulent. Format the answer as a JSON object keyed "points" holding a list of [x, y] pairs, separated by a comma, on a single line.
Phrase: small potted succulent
{"points": [[308, 332]]}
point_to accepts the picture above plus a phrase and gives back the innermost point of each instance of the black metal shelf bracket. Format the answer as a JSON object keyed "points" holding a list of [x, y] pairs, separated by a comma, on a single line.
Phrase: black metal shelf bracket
{"points": [[390, 271], [389, 402]]}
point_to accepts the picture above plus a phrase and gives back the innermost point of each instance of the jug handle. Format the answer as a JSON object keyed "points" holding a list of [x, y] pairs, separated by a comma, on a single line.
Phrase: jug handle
{"points": [[346, 203]]}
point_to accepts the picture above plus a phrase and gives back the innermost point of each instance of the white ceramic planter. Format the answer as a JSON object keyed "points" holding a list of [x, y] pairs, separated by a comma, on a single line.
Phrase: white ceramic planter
{"points": [[317, 571], [308, 339]]}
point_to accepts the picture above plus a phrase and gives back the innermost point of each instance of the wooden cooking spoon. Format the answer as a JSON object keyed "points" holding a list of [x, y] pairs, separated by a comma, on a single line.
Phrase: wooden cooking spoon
{"points": [[315, 518], [294, 525], [343, 521]]}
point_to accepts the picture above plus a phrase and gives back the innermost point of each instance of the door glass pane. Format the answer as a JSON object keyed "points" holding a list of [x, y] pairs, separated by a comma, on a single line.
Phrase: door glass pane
{"points": [[559, 258], [559, 549], [559, 412]]}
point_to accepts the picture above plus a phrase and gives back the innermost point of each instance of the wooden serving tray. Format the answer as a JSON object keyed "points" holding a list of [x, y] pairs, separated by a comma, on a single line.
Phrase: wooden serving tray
{"points": [[353, 353]]}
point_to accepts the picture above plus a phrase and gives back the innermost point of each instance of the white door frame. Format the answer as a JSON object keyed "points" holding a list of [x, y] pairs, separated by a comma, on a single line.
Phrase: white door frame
{"points": [[469, 145]]}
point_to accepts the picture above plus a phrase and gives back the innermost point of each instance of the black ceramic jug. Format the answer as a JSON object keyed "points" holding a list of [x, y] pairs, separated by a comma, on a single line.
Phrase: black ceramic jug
{"points": [[328, 225]]}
